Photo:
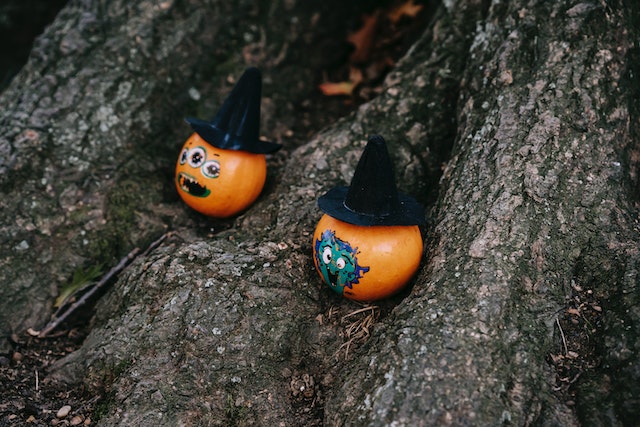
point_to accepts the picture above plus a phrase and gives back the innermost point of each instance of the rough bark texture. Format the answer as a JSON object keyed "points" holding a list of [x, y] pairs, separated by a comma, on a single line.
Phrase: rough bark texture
{"points": [[533, 104], [537, 196], [90, 126]]}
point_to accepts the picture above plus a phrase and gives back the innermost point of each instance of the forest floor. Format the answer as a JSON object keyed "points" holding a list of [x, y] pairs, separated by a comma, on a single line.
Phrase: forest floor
{"points": [[28, 397]]}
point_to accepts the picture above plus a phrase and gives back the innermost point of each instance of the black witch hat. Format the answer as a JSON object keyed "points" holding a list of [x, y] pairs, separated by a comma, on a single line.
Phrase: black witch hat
{"points": [[372, 198], [237, 124]]}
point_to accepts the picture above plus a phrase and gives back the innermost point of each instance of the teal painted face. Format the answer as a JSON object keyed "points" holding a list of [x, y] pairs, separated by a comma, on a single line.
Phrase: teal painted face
{"points": [[337, 262]]}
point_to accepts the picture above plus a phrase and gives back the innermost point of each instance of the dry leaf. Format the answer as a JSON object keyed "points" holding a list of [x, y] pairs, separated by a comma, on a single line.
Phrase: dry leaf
{"points": [[366, 40], [363, 39], [556, 358], [343, 88], [408, 8], [355, 76]]}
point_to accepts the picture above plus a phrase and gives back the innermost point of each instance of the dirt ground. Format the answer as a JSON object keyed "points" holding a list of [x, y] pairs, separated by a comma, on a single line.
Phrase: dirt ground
{"points": [[28, 397]]}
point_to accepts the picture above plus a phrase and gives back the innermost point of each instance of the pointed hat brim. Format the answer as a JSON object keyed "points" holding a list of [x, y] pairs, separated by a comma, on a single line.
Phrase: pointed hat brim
{"points": [[221, 139], [372, 197], [410, 211]]}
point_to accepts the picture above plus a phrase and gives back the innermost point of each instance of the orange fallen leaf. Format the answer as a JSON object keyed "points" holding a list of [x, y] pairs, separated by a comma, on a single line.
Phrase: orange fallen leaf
{"points": [[408, 8], [363, 39], [341, 88]]}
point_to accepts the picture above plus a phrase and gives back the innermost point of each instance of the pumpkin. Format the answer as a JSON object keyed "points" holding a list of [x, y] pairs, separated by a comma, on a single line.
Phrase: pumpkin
{"points": [[218, 182], [366, 263]]}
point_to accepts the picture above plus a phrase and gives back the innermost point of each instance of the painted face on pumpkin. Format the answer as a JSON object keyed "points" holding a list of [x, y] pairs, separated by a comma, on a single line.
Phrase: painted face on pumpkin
{"points": [[196, 172], [218, 182], [337, 262]]}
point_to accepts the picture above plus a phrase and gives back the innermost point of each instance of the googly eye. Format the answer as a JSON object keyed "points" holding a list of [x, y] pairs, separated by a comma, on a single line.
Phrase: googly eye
{"points": [[183, 156], [211, 169], [326, 255], [340, 263], [197, 157]]}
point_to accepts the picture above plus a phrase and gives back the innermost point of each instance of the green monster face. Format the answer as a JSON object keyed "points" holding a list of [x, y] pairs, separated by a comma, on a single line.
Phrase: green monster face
{"points": [[337, 262]]}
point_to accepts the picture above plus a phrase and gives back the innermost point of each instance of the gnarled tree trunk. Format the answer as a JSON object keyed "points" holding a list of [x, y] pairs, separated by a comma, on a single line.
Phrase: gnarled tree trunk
{"points": [[537, 203], [533, 107]]}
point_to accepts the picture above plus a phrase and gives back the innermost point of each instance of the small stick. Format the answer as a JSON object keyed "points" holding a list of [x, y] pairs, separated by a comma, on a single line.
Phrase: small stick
{"points": [[124, 262], [81, 301], [564, 341], [157, 243]]}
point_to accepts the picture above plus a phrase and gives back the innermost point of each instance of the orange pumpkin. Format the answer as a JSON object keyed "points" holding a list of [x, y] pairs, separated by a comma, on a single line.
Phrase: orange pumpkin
{"points": [[218, 182], [366, 263]]}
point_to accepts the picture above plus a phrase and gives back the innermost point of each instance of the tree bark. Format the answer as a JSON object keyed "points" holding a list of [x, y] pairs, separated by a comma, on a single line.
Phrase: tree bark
{"points": [[538, 200], [533, 107], [89, 128]]}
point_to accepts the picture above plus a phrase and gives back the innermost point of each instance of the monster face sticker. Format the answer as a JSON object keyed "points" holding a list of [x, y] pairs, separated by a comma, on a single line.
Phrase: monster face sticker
{"points": [[196, 171], [337, 262]]}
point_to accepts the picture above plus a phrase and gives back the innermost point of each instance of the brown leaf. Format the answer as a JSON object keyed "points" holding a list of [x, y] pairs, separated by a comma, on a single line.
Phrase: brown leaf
{"points": [[363, 39], [573, 311], [341, 88], [408, 8]]}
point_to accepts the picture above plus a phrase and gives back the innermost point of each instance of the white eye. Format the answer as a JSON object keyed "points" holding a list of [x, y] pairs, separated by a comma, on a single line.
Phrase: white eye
{"points": [[183, 156], [340, 263], [196, 157], [211, 169], [326, 255]]}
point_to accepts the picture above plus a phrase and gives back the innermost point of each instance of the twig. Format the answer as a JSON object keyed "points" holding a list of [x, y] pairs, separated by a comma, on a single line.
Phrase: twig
{"points": [[564, 341], [115, 270], [63, 307], [124, 262], [575, 378], [157, 242]]}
